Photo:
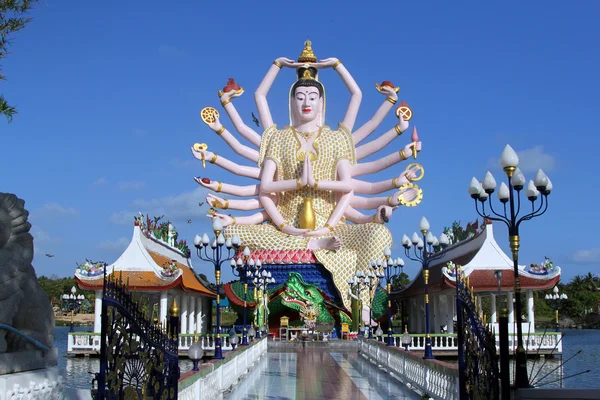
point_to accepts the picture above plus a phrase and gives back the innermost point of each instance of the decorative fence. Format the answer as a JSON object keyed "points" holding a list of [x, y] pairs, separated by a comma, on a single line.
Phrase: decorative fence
{"points": [[437, 379], [216, 377]]}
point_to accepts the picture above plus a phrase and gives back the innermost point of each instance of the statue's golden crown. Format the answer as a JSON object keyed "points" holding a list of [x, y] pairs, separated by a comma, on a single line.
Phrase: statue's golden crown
{"points": [[307, 54]]}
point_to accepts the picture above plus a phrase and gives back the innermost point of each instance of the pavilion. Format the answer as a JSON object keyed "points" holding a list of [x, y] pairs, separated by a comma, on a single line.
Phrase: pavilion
{"points": [[157, 267], [480, 258]]}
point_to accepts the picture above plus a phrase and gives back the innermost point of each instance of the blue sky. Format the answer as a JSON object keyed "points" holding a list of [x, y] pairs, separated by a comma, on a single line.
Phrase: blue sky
{"points": [[109, 96]]}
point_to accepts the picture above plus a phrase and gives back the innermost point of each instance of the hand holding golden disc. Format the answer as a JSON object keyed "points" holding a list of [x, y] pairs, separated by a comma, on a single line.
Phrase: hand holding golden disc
{"points": [[208, 115], [199, 147], [410, 203], [416, 178]]}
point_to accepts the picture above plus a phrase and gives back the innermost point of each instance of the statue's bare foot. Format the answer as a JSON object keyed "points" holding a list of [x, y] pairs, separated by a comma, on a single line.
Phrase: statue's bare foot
{"points": [[328, 243]]}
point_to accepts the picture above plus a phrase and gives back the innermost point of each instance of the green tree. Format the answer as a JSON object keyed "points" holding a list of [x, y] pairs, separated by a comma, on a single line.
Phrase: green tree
{"points": [[13, 18]]}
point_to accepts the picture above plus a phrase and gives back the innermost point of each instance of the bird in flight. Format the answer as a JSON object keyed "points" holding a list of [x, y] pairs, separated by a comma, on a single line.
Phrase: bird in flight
{"points": [[201, 204], [189, 221], [255, 120], [49, 255]]}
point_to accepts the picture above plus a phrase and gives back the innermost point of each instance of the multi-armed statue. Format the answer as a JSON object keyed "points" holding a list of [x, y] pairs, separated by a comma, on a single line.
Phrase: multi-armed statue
{"points": [[308, 187]]}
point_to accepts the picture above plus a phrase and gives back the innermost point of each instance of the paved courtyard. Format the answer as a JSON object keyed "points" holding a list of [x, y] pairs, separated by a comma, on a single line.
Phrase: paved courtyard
{"points": [[317, 374]]}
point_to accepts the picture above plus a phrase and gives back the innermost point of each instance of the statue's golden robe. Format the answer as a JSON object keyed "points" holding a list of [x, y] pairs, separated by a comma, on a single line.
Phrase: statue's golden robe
{"points": [[360, 243]]}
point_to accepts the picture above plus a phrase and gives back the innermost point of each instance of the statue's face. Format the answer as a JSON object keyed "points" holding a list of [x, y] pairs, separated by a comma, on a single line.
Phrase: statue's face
{"points": [[307, 103]]}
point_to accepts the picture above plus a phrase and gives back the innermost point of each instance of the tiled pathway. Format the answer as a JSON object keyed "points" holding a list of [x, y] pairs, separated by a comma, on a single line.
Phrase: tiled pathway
{"points": [[317, 374]]}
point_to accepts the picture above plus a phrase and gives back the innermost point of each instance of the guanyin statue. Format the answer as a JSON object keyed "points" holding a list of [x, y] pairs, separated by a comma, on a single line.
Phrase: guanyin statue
{"points": [[307, 197]]}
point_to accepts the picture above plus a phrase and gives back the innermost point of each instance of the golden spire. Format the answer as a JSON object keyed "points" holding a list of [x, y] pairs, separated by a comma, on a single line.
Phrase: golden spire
{"points": [[174, 310], [307, 53]]}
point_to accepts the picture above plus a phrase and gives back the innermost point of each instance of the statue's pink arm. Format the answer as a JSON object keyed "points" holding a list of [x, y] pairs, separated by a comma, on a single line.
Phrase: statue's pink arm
{"points": [[355, 97], [249, 190], [357, 217], [260, 96], [243, 129], [344, 184], [361, 133], [370, 203], [253, 219], [239, 148], [340, 209], [382, 141], [268, 185], [243, 170], [372, 187], [382, 163], [242, 205], [276, 217]]}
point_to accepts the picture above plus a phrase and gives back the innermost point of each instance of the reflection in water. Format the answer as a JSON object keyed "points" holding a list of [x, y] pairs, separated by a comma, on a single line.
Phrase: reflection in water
{"points": [[79, 368]]}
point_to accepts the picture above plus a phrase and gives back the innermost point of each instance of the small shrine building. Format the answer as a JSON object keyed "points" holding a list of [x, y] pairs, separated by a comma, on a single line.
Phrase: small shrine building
{"points": [[480, 257], [158, 268]]}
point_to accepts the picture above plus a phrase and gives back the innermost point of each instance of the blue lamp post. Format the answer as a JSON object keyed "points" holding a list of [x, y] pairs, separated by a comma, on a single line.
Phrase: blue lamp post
{"points": [[423, 250], [217, 258], [510, 196], [557, 297], [388, 270], [244, 270]]}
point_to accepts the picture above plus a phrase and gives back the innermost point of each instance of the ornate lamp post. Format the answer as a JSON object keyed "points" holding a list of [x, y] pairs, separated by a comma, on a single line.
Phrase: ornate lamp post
{"points": [[511, 194], [423, 250], [388, 270], [217, 258], [557, 297], [262, 281], [73, 303], [370, 284], [244, 269], [356, 284]]}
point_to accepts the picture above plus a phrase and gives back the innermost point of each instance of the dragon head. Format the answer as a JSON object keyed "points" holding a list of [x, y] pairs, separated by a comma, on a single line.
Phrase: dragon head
{"points": [[298, 294]]}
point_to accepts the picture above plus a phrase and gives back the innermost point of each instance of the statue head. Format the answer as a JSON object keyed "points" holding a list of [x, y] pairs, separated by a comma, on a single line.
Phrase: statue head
{"points": [[307, 98]]}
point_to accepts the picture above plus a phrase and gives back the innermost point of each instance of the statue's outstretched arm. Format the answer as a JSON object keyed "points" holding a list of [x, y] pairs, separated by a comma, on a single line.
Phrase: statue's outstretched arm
{"points": [[382, 141], [383, 186], [359, 218], [369, 127], [247, 133], [260, 96], [242, 205], [385, 162], [239, 148], [355, 92], [277, 219], [370, 203], [249, 172], [235, 190], [253, 219]]}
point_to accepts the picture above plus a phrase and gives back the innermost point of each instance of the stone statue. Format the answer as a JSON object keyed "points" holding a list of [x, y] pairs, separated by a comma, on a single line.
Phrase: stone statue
{"points": [[308, 189], [24, 306]]}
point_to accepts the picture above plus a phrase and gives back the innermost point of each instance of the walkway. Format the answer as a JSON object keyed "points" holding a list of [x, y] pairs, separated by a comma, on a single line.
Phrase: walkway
{"points": [[317, 374]]}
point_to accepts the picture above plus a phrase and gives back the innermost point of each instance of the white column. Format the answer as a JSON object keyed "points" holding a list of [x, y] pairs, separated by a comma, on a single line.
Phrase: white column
{"points": [[98, 311], [184, 313], [493, 308], [192, 315], [530, 310], [164, 297], [511, 309], [450, 313], [479, 305], [199, 314]]}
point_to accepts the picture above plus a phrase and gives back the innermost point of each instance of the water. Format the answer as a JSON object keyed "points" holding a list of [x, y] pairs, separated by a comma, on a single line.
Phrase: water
{"points": [[587, 340]]}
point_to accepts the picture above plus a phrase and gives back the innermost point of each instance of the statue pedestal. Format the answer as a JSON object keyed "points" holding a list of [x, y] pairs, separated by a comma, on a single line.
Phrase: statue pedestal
{"points": [[21, 361], [31, 374]]}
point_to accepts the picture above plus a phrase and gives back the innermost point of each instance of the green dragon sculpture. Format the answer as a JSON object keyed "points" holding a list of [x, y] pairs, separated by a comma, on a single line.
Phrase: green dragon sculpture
{"points": [[298, 295]]}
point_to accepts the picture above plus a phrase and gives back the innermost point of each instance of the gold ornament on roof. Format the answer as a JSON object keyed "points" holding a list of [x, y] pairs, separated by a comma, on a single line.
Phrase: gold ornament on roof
{"points": [[174, 311], [307, 54]]}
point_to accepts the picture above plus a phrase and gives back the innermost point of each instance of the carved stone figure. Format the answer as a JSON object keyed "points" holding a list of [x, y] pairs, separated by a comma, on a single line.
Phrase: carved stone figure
{"points": [[24, 306], [308, 189]]}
